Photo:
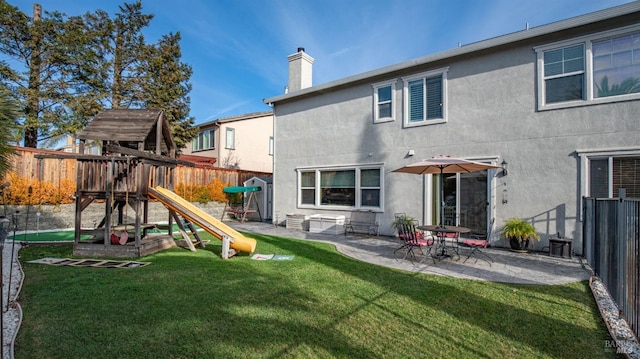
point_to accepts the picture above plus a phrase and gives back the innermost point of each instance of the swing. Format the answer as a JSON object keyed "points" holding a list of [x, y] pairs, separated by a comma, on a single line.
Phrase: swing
{"points": [[241, 212], [119, 239]]}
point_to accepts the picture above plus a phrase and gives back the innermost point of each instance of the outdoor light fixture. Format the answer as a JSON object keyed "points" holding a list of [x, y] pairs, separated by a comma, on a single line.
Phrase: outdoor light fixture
{"points": [[411, 153], [505, 168]]}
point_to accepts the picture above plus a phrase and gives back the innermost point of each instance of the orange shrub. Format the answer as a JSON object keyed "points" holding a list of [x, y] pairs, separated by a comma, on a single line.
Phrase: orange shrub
{"points": [[203, 194], [45, 192], [216, 189], [23, 191]]}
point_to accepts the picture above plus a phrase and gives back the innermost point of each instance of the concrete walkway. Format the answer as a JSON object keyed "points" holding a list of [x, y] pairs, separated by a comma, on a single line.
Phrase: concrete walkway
{"points": [[508, 266]]}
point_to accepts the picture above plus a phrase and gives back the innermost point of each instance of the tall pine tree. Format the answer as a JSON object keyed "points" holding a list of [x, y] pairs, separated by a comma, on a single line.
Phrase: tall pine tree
{"points": [[166, 87], [128, 56], [30, 67], [8, 117], [66, 69]]}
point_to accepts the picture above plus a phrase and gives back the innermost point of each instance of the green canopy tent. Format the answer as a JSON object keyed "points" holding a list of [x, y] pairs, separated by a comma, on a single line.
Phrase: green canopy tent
{"points": [[247, 208]]}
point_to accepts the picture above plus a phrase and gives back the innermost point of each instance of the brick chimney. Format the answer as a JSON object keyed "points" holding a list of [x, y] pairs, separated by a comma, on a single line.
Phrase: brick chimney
{"points": [[300, 70]]}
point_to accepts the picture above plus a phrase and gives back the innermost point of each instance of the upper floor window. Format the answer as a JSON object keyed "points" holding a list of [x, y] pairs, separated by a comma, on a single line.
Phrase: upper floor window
{"points": [[205, 140], [230, 139], [384, 105], [564, 74], [425, 98], [616, 65], [598, 68], [356, 187]]}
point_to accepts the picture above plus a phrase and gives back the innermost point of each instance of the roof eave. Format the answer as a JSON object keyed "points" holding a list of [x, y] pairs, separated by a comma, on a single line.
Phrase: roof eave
{"points": [[502, 40], [246, 116]]}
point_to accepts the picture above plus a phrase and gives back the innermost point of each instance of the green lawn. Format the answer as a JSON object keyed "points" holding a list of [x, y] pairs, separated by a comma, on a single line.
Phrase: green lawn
{"points": [[65, 236], [55, 236], [321, 305]]}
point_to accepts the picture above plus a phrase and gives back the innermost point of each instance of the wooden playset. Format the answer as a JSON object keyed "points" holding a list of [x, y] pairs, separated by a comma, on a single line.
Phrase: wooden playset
{"points": [[136, 152]]}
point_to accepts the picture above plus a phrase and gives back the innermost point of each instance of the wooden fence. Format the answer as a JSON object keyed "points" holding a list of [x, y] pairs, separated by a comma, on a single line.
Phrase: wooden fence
{"points": [[56, 171]]}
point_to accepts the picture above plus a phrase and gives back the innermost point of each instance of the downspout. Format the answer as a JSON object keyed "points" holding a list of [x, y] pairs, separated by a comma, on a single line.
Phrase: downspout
{"points": [[274, 216]]}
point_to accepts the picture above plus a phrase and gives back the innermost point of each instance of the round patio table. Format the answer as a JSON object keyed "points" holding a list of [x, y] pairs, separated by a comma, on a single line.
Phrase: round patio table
{"points": [[440, 232]]}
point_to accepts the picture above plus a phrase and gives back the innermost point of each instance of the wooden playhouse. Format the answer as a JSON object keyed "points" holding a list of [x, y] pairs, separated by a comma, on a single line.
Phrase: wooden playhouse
{"points": [[136, 152]]}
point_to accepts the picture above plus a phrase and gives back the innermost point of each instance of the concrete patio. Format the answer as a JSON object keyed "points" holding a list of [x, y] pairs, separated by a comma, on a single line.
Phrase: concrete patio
{"points": [[508, 266]]}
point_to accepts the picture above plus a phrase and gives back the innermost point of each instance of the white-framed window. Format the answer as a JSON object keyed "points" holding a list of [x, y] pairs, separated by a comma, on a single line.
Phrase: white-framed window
{"points": [[425, 98], [606, 172], [270, 145], [230, 142], [616, 65], [608, 175], [204, 141], [370, 187], [307, 184], [599, 68], [341, 187], [383, 101], [564, 74]]}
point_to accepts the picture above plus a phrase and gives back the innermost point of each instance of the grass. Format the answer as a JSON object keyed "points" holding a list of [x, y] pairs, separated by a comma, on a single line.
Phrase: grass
{"points": [[321, 304], [54, 236], [65, 235]]}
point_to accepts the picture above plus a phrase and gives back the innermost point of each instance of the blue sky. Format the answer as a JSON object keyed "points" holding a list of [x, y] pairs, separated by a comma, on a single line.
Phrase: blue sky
{"points": [[238, 48]]}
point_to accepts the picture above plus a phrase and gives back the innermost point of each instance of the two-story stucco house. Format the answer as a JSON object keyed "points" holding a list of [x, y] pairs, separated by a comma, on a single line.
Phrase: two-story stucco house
{"points": [[558, 106], [242, 142]]}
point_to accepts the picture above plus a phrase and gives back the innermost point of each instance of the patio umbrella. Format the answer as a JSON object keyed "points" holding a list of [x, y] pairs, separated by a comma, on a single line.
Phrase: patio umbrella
{"points": [[442, 165]]}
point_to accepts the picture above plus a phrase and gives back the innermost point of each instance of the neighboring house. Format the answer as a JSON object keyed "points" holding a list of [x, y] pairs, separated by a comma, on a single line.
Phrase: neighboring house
{"points": [[71, 145], [558, 105], [241, 142]]}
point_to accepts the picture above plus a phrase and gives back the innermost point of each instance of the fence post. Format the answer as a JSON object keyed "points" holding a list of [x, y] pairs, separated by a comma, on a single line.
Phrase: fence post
{"points": [[621, 239]]}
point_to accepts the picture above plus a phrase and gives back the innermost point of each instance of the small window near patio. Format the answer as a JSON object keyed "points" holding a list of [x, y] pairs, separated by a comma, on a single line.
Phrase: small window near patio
{"points": [[607, 176], [338, 188], [370, 187], [308, 188]]}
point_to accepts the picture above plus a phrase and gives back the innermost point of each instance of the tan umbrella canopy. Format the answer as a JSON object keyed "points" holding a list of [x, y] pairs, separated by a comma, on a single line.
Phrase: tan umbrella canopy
{"points": [[441, 165]]}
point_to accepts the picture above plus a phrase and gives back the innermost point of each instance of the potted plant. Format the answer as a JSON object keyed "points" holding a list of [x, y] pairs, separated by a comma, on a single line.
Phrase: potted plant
{"points": [[400, 220], [519, 233]]}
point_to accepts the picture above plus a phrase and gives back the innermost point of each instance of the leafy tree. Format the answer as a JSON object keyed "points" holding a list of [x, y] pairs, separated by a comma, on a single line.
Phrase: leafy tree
{"points": [[32, 44], [166, 87], [73, 67], [128, 51], [83, 60], [8, 116]]}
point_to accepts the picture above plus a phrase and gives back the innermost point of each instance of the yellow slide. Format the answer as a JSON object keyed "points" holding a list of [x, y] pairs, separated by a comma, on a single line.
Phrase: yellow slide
{"points": [[203, 219]]}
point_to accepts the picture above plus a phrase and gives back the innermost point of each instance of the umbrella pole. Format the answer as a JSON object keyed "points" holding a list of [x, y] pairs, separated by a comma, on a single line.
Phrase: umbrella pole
{"points": [[441, 197]]}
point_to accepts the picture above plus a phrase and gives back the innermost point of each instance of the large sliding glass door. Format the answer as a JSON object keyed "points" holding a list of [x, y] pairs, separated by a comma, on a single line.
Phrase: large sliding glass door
{"points": [[466, 200]]}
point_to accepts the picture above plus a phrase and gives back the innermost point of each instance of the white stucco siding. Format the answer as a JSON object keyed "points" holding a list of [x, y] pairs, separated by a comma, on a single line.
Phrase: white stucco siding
{"points": [[492, 114], [251, 150]]}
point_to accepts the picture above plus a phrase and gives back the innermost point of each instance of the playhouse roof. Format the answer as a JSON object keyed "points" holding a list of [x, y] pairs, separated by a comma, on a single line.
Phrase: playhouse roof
{"points": [[131, 128]]}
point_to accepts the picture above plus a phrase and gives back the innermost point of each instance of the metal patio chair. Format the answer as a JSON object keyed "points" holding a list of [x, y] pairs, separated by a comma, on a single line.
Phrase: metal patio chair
{"points": [[477, 243]]}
